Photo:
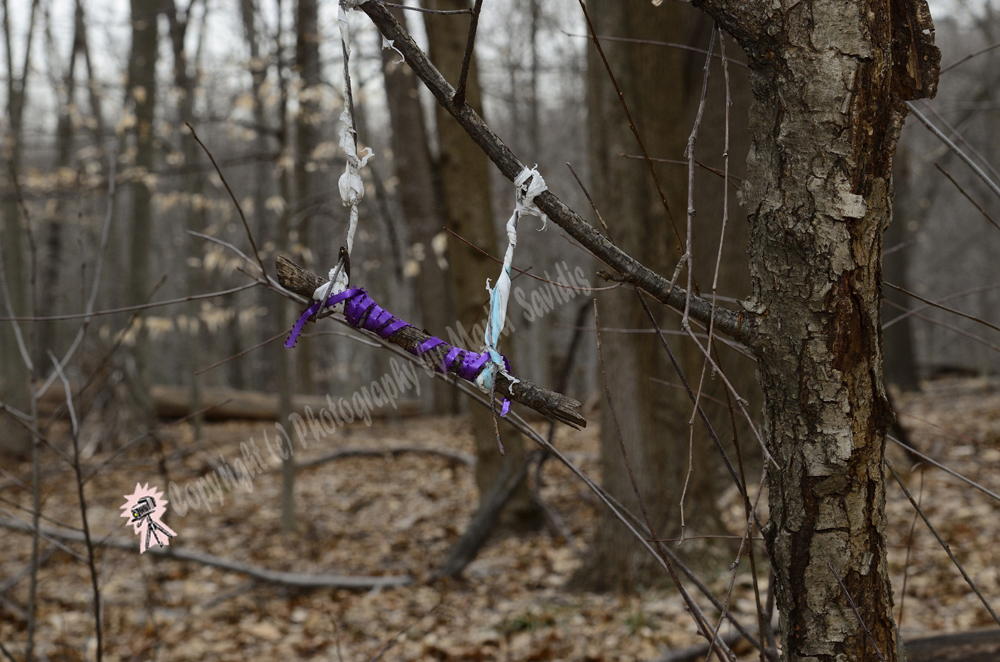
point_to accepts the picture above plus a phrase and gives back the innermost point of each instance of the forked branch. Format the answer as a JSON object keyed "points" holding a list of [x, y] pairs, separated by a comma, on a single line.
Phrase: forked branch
{"points": [[739, 325]]}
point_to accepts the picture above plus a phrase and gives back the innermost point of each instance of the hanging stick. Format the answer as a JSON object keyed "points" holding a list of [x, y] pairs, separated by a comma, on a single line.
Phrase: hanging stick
{"points": [[436, 352]]}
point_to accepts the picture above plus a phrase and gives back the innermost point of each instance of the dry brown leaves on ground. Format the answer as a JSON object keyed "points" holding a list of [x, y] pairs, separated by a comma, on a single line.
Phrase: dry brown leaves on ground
{"points": [[397, 515]]}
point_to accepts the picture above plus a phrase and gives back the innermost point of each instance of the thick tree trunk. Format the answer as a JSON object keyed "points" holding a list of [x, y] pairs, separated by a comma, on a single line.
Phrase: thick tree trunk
{"points": [[658, 84], [826, 79], [466, 188], [142, 89], [418, 196]]}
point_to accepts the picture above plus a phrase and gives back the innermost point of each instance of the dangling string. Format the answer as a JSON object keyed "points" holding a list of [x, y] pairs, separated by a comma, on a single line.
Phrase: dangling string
{"points": [[352, 187], [528, 185]]}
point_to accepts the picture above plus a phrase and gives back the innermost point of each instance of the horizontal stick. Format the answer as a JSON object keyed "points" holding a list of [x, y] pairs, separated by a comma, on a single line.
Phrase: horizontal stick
{"points": [[550, 404]]}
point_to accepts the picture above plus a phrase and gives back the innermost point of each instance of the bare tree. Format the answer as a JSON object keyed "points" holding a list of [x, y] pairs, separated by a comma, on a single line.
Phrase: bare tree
{"points": [[15, 382], [828, 81], [142, 93]]}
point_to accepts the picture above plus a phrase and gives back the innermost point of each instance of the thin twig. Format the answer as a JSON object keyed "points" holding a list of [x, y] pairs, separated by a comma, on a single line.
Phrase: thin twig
{"points": [[218, 170], [631, 124], [422, 10], [127, 309], [651, 42], [704, 627], [242, 353], [947, 548], [296, 579], [531, 275], [967, 197], [934, 304], [682, 162], [932, 461], [459, 98], [909, 548], [954, 148], [969, 57], [83, 504], [392, 642]]}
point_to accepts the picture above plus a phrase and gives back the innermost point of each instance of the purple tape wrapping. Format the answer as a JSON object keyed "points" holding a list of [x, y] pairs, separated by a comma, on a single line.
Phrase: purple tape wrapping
{"points": [[383, 323]]}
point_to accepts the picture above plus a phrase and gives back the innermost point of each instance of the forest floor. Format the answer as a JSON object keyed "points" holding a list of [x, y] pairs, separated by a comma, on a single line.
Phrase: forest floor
{"points": [[398, 515]]}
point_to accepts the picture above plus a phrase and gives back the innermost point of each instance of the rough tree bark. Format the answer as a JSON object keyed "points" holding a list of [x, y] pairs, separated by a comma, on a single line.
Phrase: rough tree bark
{"points": [[468, 212], [827, 80], [421, 203]]}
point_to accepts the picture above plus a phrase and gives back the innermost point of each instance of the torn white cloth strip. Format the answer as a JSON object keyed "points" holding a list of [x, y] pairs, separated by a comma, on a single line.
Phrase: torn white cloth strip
{"points": [[529, 184], [352, 187]]}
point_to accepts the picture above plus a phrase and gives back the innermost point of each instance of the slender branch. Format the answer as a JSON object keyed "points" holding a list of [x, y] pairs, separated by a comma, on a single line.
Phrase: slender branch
{"points": [[970, 56], [422, 10], [296, 579], [126, 309], [954, 148], [947, 548], [947, 470], [83, 505], [246, 226], [463, 77], [740, 325]]}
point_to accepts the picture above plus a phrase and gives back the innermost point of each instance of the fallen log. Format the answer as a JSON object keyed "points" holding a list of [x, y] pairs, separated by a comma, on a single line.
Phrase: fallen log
{"points": [[972, 646]]}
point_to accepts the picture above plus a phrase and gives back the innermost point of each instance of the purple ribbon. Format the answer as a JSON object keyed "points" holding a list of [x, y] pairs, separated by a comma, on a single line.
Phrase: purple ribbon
{"points": [[384, 324]]}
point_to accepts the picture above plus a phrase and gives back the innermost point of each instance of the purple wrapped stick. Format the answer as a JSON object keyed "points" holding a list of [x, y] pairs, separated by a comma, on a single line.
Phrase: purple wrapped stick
{"points": [[362, 312]]}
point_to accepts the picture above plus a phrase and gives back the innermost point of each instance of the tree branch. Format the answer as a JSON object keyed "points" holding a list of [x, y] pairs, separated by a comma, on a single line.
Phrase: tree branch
{"points": [[740, 325], [553, 405], [297, 579]]}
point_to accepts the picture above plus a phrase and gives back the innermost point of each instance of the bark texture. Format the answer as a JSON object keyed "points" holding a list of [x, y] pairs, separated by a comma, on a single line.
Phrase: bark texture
{"points": [[827, 80]]}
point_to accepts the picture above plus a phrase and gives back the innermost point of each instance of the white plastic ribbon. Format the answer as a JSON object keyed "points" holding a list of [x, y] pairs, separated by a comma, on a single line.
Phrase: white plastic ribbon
{"points": [[351, 185], [529, 184]]}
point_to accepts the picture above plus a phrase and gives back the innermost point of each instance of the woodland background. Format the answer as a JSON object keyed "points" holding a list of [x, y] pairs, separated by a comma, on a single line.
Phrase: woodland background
{"points": [[108, 202]]}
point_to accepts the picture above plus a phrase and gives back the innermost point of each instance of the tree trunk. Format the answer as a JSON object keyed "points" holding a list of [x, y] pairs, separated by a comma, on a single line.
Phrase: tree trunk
{"points": [[418, 196], [65, 134], [15, 376], [142, 90], [466, 187], [657, 83], [308, 134], [192, 339], [827, 80]]}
